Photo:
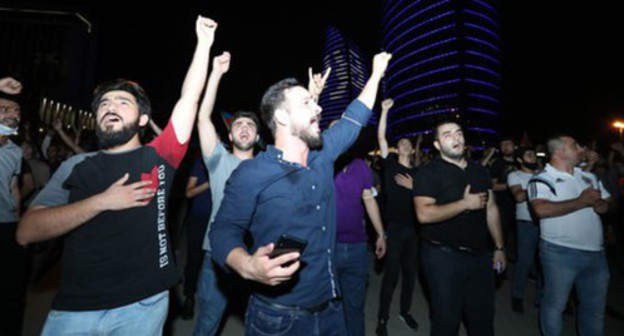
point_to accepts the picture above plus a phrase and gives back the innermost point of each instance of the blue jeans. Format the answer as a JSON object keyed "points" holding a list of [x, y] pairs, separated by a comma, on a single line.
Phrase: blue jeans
{"points": [[461, 285], [145, 317], [527, 239], [211, 298], [563, 268], [352, 273], [262, 320]]}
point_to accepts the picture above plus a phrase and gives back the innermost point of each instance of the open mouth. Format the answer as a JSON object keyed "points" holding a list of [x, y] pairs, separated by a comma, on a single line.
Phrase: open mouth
{"points": [[110, 118]]}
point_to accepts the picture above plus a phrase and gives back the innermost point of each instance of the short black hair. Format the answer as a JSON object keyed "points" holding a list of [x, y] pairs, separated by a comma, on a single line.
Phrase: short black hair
{"points": [[14, 98], [523, 149], [133, 88], [273, 98], [246, 114], [441, 122]]}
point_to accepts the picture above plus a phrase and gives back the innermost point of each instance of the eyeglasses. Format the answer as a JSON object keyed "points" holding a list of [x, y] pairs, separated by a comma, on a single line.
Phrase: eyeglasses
{"points": [[5, 109]]}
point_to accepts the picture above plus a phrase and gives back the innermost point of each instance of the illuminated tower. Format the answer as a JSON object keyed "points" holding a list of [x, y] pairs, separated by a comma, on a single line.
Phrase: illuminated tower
{"points": [[446, 64], [348, 75]]}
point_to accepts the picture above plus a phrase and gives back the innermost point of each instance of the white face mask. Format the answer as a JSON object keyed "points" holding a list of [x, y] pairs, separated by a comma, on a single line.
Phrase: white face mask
{"points": [[5, 130]]}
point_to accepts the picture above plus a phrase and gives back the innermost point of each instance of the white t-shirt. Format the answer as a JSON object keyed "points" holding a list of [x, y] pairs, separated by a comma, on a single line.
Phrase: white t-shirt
{"points": [[580, 229], [521, 179]]}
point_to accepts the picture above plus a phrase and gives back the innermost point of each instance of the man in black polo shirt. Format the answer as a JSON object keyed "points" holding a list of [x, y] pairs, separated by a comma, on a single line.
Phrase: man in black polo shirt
{"points": [[455, 205]]}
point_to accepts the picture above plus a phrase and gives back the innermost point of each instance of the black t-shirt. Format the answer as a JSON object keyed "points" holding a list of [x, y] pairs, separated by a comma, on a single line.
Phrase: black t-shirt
{"points": [[499, 170], [399, 203], [446, 182], [118, 257]]}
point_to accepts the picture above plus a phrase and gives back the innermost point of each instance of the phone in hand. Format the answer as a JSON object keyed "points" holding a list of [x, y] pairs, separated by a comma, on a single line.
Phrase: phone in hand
{"points": [[286, 244]]}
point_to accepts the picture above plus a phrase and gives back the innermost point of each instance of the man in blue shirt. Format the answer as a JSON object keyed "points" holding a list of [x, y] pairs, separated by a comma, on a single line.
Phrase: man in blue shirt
{"points": [[289, 190]]}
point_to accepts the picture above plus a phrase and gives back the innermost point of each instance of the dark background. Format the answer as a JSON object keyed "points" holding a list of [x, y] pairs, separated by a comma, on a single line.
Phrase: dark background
{"points": [[562, 61]]}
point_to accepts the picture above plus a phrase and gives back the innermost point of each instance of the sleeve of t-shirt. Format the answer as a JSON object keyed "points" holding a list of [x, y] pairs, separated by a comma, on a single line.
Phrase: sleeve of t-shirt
{"points": [[514, 179], [54, 193], [212, 161], [540, 188], [168, 146]]}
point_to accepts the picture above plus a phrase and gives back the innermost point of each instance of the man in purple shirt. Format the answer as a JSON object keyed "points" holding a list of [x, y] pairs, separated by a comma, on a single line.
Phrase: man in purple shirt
{"points": [[354, 188]]}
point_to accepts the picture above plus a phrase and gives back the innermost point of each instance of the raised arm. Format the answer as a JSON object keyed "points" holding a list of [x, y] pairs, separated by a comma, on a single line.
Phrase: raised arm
{"points": [[316, 83], [185, 110], [10, 85], [386, 105], [67, 140], [207, 133], [369, 92]]}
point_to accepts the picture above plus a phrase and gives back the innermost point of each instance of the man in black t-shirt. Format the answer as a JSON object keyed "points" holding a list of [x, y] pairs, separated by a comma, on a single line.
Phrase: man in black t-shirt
{"points": [[111, 206], [402, 244], [455, 205], [499, 170]]}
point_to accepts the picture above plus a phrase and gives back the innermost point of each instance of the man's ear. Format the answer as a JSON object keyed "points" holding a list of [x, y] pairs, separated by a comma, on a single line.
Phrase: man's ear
{"points": [[436, 144], [281, 117], [143, 120]]}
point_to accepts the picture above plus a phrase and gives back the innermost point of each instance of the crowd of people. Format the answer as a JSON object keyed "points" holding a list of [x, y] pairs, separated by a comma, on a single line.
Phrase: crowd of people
{"points": [[459, 220]]}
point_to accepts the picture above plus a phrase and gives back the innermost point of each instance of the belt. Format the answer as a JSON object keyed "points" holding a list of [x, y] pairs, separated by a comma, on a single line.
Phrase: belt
{"points": [[461, 249], [298, 309]]}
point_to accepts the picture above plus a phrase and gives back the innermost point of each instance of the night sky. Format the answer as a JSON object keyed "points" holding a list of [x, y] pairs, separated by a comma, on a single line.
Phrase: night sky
{"points": [[562, 62]]}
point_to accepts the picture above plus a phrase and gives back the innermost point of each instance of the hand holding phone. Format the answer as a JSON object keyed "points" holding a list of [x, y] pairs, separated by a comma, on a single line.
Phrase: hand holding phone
{"points": [[287, 244]]}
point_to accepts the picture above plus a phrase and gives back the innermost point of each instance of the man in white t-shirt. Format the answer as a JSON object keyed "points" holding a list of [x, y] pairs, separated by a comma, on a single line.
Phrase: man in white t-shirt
{"points": [[568, 202], [527, 234]]}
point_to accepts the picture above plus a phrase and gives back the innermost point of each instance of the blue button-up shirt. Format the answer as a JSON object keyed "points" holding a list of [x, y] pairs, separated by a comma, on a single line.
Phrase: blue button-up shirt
{"points": [[268, 197]]}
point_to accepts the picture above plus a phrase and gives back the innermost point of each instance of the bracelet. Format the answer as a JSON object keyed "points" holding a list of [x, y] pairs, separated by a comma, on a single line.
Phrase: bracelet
{"points": [[499, 248]]}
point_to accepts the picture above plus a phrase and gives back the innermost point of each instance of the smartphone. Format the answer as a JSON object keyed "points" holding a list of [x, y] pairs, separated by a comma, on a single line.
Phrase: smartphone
{"points": [[286, 244]]}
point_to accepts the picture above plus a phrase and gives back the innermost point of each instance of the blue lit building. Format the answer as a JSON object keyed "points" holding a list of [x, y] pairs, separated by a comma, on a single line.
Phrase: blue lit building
{"points": [[446, 64], [348, 76]]}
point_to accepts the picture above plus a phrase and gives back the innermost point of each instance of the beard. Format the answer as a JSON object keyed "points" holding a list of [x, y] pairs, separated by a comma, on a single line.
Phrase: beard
{"points": [[314, 141], [110, 139], [243, 147], [309, 137], [530, 166]]}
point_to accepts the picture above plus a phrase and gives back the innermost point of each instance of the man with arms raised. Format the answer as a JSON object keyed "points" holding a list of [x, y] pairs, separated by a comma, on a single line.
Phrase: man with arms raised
{"points": [[289, 190]]}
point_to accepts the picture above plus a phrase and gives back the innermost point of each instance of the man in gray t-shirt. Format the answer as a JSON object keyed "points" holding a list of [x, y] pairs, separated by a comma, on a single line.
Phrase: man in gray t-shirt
{"points": [[13, 280], [243, 134]]}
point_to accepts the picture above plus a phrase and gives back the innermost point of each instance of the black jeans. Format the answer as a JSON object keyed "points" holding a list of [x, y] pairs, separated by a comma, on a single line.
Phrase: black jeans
{"points": [[13, 281], [461, 285], [401, 257]]}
